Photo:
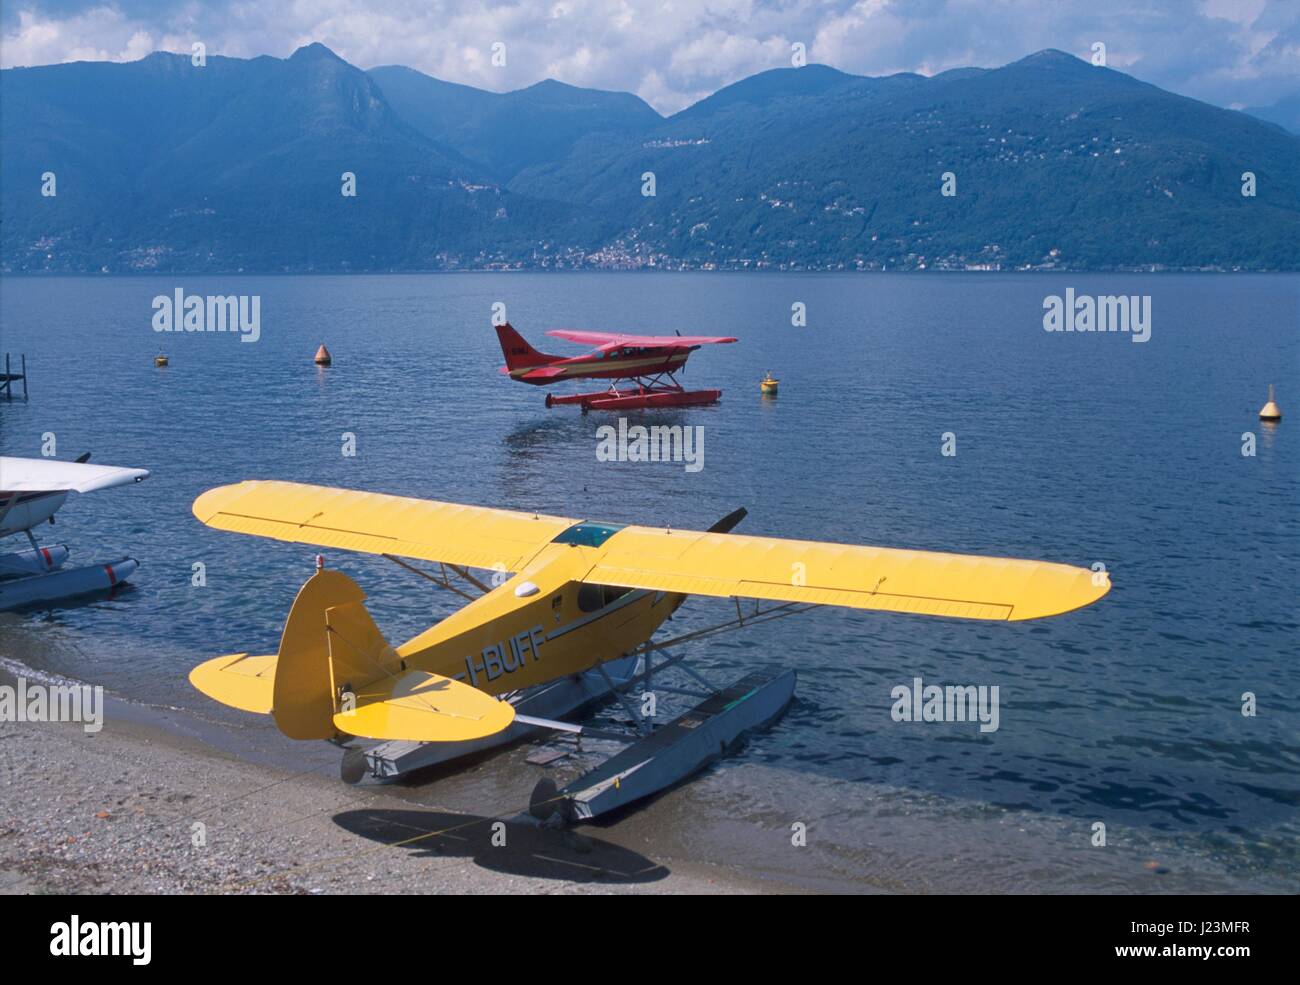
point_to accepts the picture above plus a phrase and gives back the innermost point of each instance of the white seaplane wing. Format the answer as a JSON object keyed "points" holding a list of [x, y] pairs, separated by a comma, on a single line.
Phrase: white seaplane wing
{"points": [[45, 475]]}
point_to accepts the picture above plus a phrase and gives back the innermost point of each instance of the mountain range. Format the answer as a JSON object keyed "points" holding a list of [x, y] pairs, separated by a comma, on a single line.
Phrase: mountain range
{"points": [[239, 165]]}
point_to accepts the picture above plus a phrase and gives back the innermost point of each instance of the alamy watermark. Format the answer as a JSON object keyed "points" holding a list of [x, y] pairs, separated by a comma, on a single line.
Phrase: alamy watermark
{"points": [[34, 702], [658, 443], [102, 938], [181, 312], [1103, 313], [952, 703]]}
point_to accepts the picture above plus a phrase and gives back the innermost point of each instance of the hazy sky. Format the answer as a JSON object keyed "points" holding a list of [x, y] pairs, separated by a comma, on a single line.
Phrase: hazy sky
{"points": [[1230, 52]]}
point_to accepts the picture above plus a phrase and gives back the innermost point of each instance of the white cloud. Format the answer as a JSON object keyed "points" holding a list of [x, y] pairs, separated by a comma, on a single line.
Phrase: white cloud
{"points": [[717, 54], [99, 34], [671, 52]]}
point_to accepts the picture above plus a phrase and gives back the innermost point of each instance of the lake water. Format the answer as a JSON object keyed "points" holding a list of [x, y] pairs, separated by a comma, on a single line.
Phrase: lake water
{"points": [[1073, 448]]}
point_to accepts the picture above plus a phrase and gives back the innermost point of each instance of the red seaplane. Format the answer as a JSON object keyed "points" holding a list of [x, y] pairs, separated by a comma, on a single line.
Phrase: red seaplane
{"points": [[648, 362]]}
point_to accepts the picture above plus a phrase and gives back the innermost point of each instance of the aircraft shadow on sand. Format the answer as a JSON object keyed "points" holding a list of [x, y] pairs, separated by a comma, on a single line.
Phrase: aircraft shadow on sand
{"points": [[529, 850]]}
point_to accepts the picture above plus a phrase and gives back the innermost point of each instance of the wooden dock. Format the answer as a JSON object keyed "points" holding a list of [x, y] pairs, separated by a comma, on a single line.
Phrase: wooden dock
{"points": [[8, 378]]}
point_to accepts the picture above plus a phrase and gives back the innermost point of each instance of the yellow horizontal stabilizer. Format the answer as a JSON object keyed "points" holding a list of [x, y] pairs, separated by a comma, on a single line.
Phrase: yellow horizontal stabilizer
{"points": [[423, 707], [374, 523], [922, 582], [239, 680]]}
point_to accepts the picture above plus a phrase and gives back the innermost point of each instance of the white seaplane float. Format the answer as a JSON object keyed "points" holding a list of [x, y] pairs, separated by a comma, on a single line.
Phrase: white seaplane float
{"points": [[32, 490]]}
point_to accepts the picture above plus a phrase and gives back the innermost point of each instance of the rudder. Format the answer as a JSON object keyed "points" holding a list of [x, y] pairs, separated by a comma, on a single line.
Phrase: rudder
{"points": [[305, 698], [518, 353]]}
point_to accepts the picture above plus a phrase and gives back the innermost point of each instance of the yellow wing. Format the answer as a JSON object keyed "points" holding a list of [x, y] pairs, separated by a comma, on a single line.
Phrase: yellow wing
{"points": [[689, 562], [922, 582], [472, 536]]}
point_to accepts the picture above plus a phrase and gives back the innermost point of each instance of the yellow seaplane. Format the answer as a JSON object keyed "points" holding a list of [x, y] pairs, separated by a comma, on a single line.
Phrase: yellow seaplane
{"points": [[581, 598]]}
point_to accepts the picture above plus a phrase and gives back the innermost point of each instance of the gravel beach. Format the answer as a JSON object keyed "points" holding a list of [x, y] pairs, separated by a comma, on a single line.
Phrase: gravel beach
{"points": [[147, 806]]}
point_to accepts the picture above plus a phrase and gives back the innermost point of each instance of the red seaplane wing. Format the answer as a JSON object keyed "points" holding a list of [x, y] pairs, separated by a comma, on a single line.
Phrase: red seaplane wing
{"points": [[614, 340]]}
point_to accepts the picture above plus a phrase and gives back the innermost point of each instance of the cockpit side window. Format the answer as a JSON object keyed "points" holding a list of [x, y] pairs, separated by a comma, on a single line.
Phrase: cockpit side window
{"points": [[594, 597]]}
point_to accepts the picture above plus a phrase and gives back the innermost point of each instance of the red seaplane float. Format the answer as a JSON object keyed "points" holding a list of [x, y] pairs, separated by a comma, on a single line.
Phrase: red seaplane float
{"points": [[647, 362]]}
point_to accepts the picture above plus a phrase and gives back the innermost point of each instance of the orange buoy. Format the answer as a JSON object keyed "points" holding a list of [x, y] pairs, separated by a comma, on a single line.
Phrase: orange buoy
{"points": [[323, 357], [1270, 411]]}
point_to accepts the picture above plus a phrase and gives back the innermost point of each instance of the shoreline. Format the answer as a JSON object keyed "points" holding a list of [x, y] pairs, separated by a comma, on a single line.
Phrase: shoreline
{"points": [[148, 805], [647, 271], [165, 799]]}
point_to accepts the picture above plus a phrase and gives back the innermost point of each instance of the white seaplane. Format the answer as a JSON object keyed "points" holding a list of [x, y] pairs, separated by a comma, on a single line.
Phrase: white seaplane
{"points": [[31, 491]]}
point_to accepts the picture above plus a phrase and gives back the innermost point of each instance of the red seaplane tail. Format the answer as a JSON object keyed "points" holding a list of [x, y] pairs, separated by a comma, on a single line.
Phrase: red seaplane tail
{"points": [[519, 354]]}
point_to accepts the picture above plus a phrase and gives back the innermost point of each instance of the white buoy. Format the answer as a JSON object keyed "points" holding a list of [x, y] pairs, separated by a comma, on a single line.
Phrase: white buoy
{"points": [[1270, 411]]}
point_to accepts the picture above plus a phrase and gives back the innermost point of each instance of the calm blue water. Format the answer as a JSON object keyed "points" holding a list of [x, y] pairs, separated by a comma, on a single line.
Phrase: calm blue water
{"points": [[1070, 448]]}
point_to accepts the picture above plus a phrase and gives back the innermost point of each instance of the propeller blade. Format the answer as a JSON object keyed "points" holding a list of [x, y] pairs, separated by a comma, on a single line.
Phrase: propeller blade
{"points": [[728, 522]]}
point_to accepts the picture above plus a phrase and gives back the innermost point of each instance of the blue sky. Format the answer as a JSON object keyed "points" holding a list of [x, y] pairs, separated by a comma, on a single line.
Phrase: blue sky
{"points": [[1229, 52]]}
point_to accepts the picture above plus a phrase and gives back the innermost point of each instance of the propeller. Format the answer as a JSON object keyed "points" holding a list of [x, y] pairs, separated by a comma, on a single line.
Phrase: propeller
{"points": [[728, 522]]}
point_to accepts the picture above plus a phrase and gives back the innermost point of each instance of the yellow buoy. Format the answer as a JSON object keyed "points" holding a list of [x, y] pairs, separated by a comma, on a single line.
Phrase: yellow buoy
{"points": [[1270, 411], [160, 360], [768, 385], [323, 357]]}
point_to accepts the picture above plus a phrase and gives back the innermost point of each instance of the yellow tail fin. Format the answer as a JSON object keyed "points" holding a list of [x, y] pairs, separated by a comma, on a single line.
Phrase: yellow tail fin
{"points": [[305, 700], [335, 673]]}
